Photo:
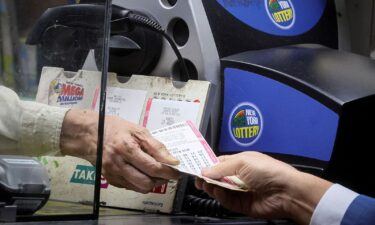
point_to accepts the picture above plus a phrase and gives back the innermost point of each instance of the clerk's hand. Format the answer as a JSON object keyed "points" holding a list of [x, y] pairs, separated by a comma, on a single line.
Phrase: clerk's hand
{"points": [[276, 189], [132, 158]]}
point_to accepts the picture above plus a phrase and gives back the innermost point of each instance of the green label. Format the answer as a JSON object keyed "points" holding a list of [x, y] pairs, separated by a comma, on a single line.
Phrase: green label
{"points": [[83, 175]]}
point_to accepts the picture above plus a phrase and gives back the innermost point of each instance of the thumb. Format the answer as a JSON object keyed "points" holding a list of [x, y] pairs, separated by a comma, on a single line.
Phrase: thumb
{"points": [[159, 152], [154, 148], [223, 158], [163, 155], [222, 169]]}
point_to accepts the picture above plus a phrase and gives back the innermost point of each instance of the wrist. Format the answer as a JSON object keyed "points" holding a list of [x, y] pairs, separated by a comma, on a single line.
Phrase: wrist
{"points": [[304, 193], [79, 134]]}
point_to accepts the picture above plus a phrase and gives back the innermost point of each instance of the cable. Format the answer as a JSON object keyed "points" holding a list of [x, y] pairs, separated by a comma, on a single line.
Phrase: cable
{"points": [[197, 202], [154, 26], [203, 206]]}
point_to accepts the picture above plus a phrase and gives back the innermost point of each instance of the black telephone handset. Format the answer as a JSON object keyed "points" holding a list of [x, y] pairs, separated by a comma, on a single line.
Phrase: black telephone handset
{"points": [[66, 34], [89, 17]]}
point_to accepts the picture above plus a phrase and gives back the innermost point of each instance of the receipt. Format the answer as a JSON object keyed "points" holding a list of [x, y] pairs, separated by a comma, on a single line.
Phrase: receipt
{"points": [[185, 142], [120, 100]]}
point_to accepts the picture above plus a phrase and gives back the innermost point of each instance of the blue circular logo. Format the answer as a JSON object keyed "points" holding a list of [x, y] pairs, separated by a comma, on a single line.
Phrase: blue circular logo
{"points": [[281, 13], [245, 124]]}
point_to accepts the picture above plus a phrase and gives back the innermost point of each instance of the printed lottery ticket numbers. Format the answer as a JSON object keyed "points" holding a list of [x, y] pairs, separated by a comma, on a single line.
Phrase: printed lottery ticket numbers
{"points": [[186, 143]]}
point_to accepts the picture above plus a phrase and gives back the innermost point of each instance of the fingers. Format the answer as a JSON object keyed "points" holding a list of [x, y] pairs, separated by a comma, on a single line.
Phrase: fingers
{"points": [[208, 188], [230, 166], [122, 174], [153, 147], [148, 165], [213, 191], [229, 199], [199, 183], [126, 176], [141, 182], [119, 182]]}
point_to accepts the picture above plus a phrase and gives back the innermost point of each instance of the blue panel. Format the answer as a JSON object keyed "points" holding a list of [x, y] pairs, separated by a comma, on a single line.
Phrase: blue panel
{"points": [[265, 115], [277, 17]]}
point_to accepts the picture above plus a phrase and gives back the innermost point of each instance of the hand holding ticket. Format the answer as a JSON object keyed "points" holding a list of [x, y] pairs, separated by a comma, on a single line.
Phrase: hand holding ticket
{"points": [[185, 143]]}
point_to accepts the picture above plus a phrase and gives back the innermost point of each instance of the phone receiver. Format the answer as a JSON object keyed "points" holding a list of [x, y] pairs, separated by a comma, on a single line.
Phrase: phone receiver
{"points": [[66, 34], [81, 16]]}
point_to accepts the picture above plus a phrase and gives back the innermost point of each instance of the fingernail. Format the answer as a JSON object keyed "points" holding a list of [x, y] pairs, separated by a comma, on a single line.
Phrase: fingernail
{"points": [[173, 161]]}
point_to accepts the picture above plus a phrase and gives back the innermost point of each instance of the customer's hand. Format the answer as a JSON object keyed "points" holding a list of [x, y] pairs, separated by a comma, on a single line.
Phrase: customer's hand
{"points": [[276, 189], [132, 158]]}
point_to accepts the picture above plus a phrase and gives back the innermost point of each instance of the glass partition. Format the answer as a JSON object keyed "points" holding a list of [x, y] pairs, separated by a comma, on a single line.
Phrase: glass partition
{"points": [[48, 56]]}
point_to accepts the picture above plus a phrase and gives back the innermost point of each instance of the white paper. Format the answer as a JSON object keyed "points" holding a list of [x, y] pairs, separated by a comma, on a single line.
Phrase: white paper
{"points": [[185, 143], [125, 103], [161, 113]]}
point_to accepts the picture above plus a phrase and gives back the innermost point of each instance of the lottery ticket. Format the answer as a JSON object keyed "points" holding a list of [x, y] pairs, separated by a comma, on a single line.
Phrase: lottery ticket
{"points": [[185, 142]]}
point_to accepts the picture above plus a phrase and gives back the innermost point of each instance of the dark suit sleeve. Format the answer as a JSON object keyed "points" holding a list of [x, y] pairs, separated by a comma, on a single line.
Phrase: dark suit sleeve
{"points": [[360, 212]]}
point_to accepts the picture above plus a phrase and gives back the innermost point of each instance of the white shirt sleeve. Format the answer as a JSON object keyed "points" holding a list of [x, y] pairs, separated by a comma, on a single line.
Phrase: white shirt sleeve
{"points": [[333, 205], [28, 128]]}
